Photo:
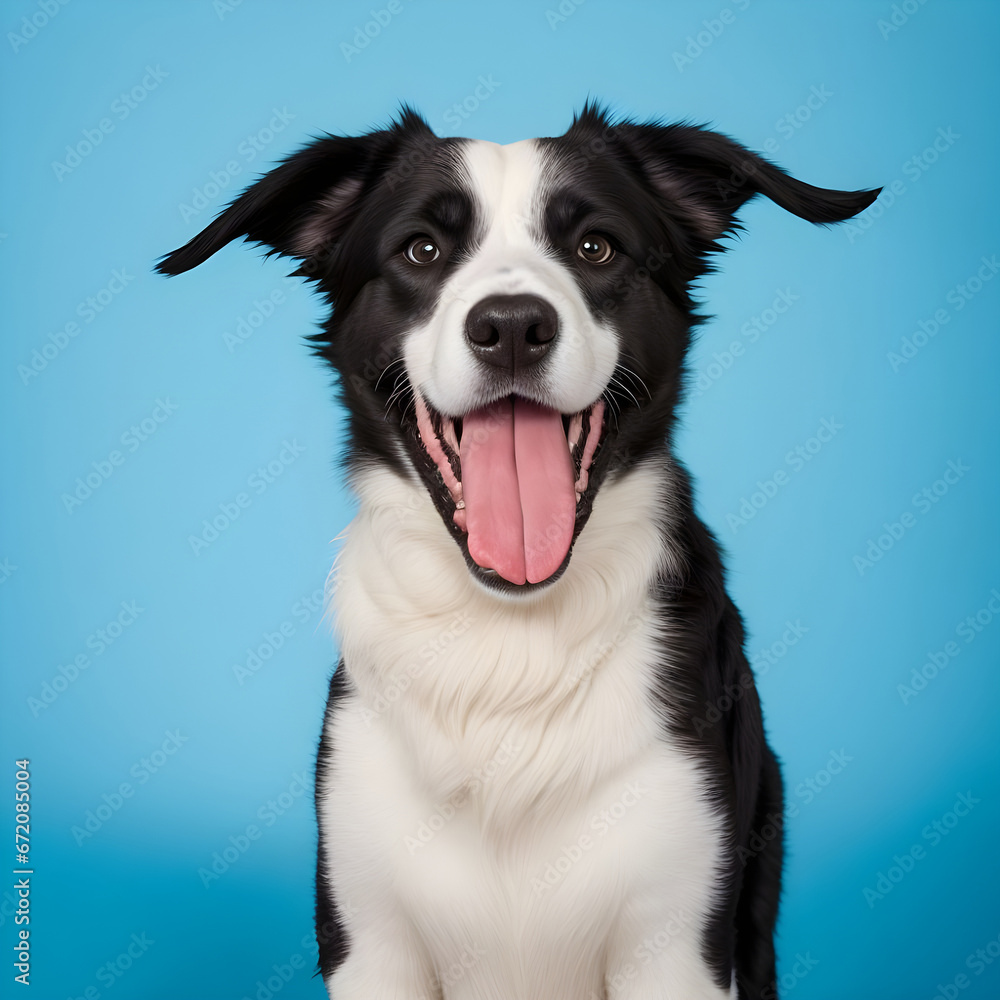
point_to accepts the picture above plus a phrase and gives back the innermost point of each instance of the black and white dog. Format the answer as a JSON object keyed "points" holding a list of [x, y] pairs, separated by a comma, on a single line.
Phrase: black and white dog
{"points": [[543, 771]]}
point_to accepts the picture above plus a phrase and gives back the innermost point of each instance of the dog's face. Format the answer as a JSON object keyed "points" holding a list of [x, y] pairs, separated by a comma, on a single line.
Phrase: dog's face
{"points": [[509, 322]]}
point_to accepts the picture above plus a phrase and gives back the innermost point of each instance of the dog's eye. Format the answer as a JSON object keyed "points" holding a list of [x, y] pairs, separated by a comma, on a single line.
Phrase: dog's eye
{"points": [[595, 249], [422, 250]]}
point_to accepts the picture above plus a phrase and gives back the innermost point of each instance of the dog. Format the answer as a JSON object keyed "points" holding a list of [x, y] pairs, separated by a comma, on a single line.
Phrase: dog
{"points": [[543, 771]]}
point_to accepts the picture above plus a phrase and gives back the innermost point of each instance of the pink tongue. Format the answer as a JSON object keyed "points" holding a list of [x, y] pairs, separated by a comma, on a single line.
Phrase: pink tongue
{"points": [[518, 485]]}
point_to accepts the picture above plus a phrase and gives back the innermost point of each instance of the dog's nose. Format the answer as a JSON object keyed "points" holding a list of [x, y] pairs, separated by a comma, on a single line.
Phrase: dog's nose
{"points": [[511, 331]]}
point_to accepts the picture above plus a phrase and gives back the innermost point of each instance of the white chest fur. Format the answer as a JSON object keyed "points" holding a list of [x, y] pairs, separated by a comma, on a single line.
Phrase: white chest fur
{"points": [[506, 816]]}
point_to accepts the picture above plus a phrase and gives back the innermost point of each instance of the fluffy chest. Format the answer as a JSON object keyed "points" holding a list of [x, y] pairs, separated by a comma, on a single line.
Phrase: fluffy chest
{"points": [[453, 673], [500, 770], [507, 857]]}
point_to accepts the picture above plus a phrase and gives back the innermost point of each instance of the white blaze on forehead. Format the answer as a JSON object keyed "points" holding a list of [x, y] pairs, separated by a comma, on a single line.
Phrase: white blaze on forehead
{"points": [[509, 186]]}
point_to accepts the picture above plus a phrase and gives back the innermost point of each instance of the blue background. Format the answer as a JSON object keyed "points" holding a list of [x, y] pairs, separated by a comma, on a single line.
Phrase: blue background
{"points": [[881, 96]]}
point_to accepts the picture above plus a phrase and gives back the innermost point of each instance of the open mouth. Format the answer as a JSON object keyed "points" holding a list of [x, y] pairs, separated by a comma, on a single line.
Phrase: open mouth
{"points": [[515, 472]]}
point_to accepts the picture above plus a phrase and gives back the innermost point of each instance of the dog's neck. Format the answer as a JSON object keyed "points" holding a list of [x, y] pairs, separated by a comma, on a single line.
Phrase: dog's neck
{"points": [[457, 671]]}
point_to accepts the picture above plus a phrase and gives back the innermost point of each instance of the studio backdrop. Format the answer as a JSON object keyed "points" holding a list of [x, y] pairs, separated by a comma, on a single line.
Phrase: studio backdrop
{"points": [[172, 501]]}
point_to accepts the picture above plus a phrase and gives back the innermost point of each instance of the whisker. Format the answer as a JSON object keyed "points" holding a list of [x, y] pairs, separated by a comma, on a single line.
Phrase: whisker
{"points": [[399, 388], [612, 407], [396, 395], [397, 361], [635, 378], [625, 388]]}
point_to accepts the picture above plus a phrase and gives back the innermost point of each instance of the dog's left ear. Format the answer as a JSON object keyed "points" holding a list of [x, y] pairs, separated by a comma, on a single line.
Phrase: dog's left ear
{"points": [[708, 177], [301, 207], [280, 209]]}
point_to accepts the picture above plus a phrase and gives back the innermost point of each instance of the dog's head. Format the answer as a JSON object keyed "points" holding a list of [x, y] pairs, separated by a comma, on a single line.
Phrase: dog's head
{"points": [[510, 322]]}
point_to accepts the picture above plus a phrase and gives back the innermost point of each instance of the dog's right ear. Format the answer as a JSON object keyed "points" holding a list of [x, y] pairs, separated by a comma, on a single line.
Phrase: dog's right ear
{"points": [[302, 206], [709, 177]]}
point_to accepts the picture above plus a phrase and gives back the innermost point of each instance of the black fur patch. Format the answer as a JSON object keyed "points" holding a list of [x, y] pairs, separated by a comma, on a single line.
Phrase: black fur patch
{"points": [[331, 935]]}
